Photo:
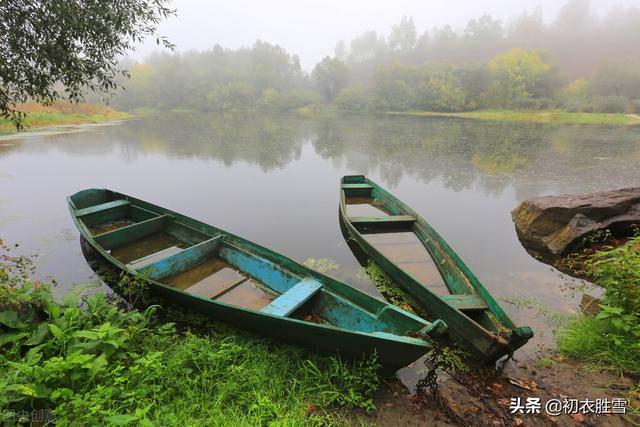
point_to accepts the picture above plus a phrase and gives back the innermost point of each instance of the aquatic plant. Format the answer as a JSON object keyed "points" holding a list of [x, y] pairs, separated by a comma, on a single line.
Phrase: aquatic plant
{"points": [[321, 265], [387, 287]]}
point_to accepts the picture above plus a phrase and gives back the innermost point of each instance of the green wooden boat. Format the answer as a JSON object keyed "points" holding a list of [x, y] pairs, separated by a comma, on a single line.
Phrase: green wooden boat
{"points": [[234, 280], [424, 265]]}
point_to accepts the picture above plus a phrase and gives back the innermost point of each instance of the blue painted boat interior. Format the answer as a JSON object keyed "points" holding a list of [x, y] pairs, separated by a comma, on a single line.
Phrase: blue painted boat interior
{"points": [[207, 265]]}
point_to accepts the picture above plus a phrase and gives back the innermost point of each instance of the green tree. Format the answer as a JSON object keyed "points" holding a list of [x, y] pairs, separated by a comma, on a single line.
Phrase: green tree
{"points": [[521, 74], [475, 80], [392, 90], [340, 50], [437, 87], [268, 99], [423, 43], [141, 80], [528, 29], [449, 94], [330, 76], [367, 46], [577, 95], [621, 78], [353, 98], [483, 36], [577, 89], [233, 96], [444, 43], [60, 49], [271, 66], [403, 35]]}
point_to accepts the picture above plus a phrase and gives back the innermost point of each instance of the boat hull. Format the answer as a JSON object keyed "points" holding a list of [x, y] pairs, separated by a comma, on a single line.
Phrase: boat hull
{"points": [[490, 335]]}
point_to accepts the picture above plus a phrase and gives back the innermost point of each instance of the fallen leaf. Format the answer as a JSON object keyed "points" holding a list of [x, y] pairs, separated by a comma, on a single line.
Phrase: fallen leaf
{"points": [[579, 418], [523, 384]]}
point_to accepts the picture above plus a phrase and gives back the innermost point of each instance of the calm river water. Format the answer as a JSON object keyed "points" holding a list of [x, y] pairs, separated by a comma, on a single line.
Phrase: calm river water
{"points": [[274, 180]]}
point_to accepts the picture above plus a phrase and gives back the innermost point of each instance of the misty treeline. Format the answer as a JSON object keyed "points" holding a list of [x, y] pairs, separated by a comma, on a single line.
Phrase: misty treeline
{"points": [[578, 62]]}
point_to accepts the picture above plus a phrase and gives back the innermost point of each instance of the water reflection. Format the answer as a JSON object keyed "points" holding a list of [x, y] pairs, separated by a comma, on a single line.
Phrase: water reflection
{"points": [[274, 179], [270, 142]]}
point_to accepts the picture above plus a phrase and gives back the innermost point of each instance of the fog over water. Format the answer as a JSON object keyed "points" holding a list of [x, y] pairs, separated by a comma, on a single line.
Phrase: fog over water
{"points": [[311, 28]]}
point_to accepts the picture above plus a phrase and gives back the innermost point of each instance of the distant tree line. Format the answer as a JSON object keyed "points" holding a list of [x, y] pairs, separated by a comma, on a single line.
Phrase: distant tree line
{"points": [[516, 79], [577, 63], [263, 76]]}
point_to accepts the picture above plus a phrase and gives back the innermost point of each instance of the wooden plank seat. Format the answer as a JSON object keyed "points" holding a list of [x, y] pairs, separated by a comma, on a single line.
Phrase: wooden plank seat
{"points": [[357, 186], [292, 299], [384, 219], [357, 190], [180, 261], [133, 232], [466, 302], [154, 257], [102, 207]]}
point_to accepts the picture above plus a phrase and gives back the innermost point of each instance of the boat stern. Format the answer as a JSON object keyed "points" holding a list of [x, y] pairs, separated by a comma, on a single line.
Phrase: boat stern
{"points": [[519, 337]]}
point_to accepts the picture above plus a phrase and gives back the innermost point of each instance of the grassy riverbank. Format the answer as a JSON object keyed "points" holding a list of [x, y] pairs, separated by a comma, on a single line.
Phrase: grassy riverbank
{"points": [[611, 337], [63, 113], [100, 364], [534, 116]]}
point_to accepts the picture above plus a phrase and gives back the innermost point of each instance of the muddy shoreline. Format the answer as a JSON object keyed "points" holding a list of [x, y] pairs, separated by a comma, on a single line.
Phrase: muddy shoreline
{"points": [[485, 400]]}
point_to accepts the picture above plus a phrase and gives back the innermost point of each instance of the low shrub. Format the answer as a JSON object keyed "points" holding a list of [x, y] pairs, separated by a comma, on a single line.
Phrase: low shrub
{"points": [[610, 104], [533, 103], [353, 98]]}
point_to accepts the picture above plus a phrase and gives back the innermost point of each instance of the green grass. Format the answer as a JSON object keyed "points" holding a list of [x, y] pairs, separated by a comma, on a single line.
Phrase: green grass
{"points": [[42, 119], [587, 338], [63, 114], [612, 337], [548, 116], [100, 364]]}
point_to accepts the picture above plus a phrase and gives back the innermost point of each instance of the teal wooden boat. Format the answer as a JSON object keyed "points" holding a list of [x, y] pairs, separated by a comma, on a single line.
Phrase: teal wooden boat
{"points": [[234, 280], [424, 265]]}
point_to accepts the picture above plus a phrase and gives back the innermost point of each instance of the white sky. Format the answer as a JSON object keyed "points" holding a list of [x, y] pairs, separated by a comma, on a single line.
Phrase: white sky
{"points": [[311, 28]]}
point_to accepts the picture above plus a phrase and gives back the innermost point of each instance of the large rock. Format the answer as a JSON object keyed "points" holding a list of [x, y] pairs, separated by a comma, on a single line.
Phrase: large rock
{"points": [[557, 224]]}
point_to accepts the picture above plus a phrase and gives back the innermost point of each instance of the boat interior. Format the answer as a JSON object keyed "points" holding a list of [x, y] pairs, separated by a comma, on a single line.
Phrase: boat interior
{"points": [[212, 266], [393, 235]]}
